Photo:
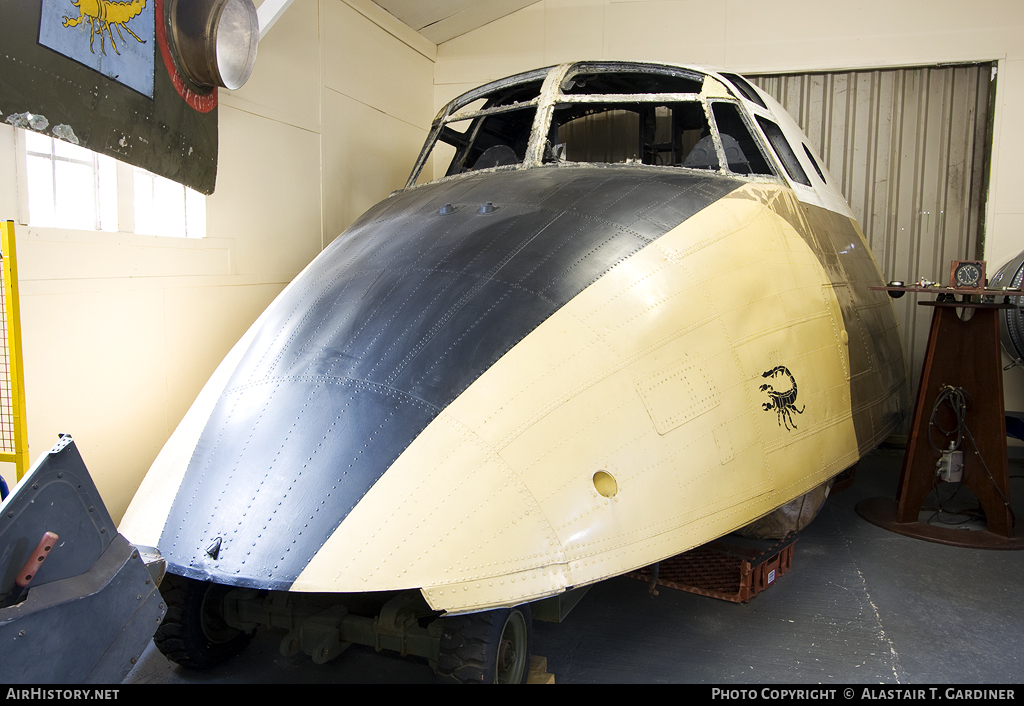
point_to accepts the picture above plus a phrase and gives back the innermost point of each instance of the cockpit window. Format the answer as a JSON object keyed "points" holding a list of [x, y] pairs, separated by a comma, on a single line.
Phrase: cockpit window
{"points": [[667, 134], [495, 140], [746, 89], [460, 126], [519, 93], [484, 130], [742, 152], [784, 151], [814, 162], [485, 134]]}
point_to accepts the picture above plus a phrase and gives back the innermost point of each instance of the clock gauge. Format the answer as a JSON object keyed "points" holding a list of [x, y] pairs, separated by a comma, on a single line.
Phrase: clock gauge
{"points": [[967, 274]]}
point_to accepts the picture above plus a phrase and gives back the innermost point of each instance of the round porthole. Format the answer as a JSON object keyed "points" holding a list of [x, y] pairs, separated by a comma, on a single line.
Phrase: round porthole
{"points": [[605, 484]]}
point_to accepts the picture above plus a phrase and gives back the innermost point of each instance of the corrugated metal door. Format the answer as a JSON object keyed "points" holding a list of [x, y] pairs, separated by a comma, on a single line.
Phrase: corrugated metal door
{"points": [[910, 150]]}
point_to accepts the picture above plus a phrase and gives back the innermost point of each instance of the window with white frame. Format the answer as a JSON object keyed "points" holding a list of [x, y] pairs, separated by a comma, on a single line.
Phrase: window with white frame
{"points": [[68, 186]]}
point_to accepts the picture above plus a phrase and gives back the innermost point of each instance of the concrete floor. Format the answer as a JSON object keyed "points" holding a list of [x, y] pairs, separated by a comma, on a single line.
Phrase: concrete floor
{"points": [[860, 605]]}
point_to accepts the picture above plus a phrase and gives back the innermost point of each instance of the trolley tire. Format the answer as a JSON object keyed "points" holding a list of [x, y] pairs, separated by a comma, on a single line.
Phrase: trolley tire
{"points": [[486, 648], [193, 632]]}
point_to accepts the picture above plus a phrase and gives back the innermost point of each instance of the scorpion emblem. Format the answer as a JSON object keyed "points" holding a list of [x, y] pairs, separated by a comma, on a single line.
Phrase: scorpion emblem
{"points": [[784, 403], [101, 14]]}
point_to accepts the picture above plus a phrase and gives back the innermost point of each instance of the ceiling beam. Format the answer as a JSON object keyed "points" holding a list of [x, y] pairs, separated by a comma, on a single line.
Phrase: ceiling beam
{"points": [[270, 12]]}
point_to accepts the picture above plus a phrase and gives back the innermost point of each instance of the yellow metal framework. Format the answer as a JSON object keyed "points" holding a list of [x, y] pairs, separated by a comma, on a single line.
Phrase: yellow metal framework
{"points": [[13, 426]]}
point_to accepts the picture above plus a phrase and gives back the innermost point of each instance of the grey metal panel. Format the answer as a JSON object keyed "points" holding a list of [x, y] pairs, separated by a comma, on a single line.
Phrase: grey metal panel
{"points": [[90, 628], [56, 495], [93, 605], [1011, 275], [908, 150]]}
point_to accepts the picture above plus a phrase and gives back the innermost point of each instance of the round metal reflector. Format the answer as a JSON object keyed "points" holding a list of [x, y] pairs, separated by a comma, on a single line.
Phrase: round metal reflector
{"points": [[215, 40], [1011, 275]]}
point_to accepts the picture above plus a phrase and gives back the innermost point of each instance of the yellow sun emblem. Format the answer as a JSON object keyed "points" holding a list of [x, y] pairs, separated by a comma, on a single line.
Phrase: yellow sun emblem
{"points": [[101, 14]]}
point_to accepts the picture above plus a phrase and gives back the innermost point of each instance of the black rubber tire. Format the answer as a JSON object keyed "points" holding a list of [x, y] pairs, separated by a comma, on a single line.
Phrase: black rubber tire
{"points": [[486, 648], [193, 632]]}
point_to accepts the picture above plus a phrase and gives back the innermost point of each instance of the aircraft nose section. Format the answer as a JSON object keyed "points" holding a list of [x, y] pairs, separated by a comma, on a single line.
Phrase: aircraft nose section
{"points": [[389, 325]]}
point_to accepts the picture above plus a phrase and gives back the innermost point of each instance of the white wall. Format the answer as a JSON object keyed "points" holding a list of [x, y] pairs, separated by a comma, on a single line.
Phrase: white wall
{"points": [[121, 331], [754, 36]]}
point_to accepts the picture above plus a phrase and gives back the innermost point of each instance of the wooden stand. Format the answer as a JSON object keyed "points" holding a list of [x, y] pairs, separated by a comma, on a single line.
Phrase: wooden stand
{"points": [[965, 354]]}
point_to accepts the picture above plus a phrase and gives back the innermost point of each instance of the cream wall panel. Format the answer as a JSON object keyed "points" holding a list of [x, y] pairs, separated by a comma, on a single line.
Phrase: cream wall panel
{"points": [[686, 31], [748, 35], [507, 46], [444, 93], [285, 83], [405, 34], [267, 198], [94, 368], [796, 34], [8, 175], [1007, 188], [363, 62], [49, 254], [572, 31], [1005, 249], [367, 155]]}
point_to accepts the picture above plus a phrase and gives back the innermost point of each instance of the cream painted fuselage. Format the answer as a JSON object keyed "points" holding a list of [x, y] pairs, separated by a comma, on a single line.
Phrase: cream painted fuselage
{"points": [[518, 379]]}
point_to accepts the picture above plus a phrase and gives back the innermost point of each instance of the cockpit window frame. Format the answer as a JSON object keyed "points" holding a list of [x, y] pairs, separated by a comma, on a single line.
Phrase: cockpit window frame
{"points": [[755, 136], [625, 67], [496, 110], [552, 95], [523, 79]]}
